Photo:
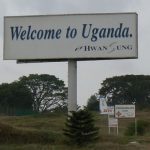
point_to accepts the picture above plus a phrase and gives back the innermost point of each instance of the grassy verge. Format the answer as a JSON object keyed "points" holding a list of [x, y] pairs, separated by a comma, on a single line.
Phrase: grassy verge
{"points": [[9, 134], [44, 132], [103, 146]]}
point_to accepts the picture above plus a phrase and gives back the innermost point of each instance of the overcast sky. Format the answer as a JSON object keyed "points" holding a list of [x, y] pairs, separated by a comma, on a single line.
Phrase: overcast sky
{"points": [[90, 73]]}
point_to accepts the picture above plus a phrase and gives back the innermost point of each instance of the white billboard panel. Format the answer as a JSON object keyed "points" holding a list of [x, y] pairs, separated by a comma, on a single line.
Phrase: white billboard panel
{"points": [[104, 109], [62, 37], [103, 106], [112, 122], [124, 111], [110, 110]]}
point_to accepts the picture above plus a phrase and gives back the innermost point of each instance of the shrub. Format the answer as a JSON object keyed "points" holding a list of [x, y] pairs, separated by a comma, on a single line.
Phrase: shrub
{"points": [[80, 127], [9, 134], [141, 128]]}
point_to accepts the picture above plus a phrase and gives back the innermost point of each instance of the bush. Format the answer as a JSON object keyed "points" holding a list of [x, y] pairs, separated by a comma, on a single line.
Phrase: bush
{"points": [[9, 134], [80, 127], [141, 128]]}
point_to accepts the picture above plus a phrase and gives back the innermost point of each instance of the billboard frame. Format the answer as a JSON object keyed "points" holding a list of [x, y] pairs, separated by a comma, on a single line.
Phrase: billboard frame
{"points": [[78, 58]]}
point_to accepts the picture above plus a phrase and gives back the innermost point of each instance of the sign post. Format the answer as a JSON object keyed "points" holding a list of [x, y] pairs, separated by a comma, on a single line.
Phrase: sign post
{"points": [[112, 123], [72, 85], [135, 127], [126, 111]]}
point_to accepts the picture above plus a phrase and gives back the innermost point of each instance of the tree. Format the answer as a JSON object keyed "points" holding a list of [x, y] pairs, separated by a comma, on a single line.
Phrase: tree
{"points": [[48, 92], [80, 128], [127, 89], [14, 98], [93, 103]]}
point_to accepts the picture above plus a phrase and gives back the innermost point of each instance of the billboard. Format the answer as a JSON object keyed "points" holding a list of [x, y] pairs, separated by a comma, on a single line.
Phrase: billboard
{"points": [[110, 110], [104, 109], [124, 111], [74, 36], [103, 105]]}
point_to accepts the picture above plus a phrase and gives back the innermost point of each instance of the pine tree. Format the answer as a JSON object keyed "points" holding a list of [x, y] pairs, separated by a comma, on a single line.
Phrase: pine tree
{"points": [[80, 128]]}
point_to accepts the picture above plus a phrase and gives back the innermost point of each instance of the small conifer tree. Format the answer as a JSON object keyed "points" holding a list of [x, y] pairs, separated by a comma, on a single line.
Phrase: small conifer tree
{"points": [[80, 128]]}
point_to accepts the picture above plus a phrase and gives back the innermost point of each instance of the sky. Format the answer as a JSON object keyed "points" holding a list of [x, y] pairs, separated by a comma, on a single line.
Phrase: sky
{"points": [[90, 74]]}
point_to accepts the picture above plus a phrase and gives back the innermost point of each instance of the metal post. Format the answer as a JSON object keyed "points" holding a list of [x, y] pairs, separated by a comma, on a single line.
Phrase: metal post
{"points": [[135, 127], [117, 129], [72, 85], [108, 124]]}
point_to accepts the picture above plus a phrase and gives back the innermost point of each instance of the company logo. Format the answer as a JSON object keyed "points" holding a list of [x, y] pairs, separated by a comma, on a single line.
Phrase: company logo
{"points": [[107, 48]]}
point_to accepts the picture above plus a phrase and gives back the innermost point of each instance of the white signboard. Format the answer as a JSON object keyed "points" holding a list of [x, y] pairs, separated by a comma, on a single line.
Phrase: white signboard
{"points": [[110, 110], [104, 109], [112, 122], [63, 37], [124, 111], [103, 106]]}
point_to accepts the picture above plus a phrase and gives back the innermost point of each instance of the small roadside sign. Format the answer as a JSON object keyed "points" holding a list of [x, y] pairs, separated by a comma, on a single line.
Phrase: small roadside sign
{"points": [[113, 122], [124, 111]]}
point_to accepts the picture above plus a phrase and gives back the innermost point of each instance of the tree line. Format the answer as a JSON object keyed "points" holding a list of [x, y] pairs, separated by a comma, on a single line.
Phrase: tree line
{"points": [[127, 89], [42, 93], [33, 93]]}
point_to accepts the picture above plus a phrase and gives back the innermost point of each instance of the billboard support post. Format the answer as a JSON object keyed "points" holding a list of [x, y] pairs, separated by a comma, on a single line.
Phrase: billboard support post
{"points": [[72, 85]]}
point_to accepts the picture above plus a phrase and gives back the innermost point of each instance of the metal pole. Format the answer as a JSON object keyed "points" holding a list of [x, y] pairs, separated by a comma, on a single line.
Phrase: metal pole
{"points": [[117, 129], [135, 127], [72, 85], [108, 125]]}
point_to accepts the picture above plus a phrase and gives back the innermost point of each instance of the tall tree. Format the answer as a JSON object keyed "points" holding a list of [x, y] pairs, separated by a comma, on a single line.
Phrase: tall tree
{"points": [[14, 98], [93, 103], [48, 92], [127, 89]]}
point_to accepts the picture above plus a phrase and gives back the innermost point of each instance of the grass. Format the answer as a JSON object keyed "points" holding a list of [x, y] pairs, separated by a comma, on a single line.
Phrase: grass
{"points": [[103, 146], [44, 132]]}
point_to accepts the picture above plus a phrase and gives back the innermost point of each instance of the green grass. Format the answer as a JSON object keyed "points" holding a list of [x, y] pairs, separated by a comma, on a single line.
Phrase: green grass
{"points": [[103, 146], [44, 132]]}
